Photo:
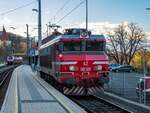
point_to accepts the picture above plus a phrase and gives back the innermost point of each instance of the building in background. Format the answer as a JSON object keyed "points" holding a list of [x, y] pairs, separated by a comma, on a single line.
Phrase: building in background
{"points": [[11, 44]]}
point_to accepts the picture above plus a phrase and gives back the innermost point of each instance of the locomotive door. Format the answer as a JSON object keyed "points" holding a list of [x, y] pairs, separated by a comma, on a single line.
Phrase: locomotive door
{"points": [[55, 53]]}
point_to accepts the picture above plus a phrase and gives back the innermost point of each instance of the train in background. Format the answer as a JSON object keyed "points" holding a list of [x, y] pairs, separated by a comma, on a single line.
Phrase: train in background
{"points": [[75, 61], [11, 60]]}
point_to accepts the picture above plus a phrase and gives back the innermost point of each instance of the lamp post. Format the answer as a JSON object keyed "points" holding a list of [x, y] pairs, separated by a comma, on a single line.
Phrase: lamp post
{"points": [[147, 8], [35, 10], [27, 33], [12, 27], [39, 29], [32, 48]]}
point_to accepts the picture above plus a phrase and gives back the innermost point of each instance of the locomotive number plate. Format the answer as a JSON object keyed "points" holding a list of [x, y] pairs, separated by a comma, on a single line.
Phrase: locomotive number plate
{"points": [[85, 69]]}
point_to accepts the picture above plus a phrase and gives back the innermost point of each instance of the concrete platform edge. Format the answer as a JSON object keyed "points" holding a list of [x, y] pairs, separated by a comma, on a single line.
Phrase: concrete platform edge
{"points": [[61, 96], [140, 108]]}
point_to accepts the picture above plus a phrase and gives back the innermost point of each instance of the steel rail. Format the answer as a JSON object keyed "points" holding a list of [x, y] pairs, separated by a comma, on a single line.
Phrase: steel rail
{"points": [[5, 68], [94, 104], [5, 75], [112, 103]]}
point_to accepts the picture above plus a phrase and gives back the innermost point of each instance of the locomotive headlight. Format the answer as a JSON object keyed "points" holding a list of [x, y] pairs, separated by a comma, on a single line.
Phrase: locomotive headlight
{"points": [[99, 68], [72, 68]]}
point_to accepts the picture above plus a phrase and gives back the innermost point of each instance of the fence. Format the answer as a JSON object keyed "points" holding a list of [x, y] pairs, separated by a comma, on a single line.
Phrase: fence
{"points": [[124, 84]]}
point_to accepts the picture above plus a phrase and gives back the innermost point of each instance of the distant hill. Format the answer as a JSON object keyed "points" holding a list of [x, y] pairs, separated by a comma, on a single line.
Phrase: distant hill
{"points": [[14, 44]]}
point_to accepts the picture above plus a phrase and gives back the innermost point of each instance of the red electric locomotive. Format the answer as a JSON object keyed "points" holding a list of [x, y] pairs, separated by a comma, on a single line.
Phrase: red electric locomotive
{"points": [[76, 60]]}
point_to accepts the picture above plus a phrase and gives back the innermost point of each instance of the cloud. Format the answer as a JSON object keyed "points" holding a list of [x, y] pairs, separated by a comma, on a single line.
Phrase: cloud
{"points": [[96, 27], [5, 20], [47, 12], [20, 28], [147, 36]]}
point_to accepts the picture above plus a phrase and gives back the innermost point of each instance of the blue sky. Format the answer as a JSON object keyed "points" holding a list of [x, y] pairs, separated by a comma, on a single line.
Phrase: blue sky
{"points": [[100, 11]]}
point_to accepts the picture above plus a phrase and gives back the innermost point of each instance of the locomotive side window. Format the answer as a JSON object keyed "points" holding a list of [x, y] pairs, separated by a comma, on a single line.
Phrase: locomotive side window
{"points": [[72, 46]]}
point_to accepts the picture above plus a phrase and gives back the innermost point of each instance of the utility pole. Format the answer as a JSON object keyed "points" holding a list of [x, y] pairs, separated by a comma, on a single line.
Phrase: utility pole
{"points": [[47, 29], [28, 43], [39, 30], [87, 15], [145, 67], [145, 71]]}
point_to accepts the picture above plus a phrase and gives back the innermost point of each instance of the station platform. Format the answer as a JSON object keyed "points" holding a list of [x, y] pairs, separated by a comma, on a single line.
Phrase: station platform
{"points": [[28, 93], [2, 65]]}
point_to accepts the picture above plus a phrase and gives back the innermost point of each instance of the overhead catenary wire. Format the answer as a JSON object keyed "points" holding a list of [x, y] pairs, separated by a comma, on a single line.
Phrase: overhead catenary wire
{"points": [[20, 7], [57, 12], [76, 7], [60, 9]]}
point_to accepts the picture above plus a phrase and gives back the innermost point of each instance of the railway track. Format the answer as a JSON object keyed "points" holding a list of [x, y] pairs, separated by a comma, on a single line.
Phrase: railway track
{"points": [[2, 66], [94, 104], [5, 76]]}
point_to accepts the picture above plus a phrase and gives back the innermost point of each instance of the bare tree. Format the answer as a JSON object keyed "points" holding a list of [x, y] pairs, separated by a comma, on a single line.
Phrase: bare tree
{"points": [[125, 42]]}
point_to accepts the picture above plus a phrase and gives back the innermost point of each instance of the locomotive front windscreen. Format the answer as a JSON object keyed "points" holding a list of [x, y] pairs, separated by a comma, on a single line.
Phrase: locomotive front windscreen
{"points": [[94, 46], [72, 46], [83, 46]]}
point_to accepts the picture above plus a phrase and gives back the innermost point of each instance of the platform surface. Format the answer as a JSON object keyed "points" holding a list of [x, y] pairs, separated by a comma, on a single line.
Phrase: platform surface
{"points": [[28, 93]]}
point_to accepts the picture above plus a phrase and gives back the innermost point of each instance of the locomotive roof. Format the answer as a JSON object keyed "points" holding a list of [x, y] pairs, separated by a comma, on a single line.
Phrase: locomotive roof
{"points": [[78, 36], [72, 37]]}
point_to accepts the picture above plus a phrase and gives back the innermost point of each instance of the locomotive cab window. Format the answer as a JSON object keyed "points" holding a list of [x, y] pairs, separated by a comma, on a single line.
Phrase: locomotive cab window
{"points": [[94, 46], [72, 46]]}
